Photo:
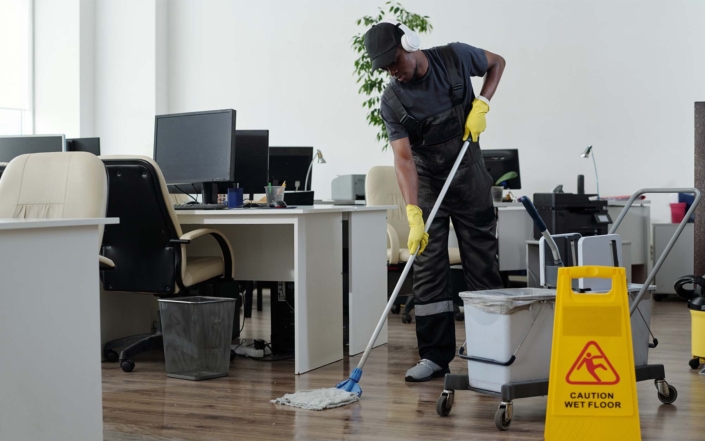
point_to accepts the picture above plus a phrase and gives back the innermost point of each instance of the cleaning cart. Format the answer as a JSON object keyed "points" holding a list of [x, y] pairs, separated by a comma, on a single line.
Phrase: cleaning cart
{"points": [[510, 330]]}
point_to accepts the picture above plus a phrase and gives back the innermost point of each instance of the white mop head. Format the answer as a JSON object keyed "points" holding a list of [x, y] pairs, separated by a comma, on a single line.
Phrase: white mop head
{"points": [[318, 399]]}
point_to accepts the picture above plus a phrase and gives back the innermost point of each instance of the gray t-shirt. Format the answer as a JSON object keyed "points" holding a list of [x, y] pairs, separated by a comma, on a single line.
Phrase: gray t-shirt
{"points": [[429, 95]]}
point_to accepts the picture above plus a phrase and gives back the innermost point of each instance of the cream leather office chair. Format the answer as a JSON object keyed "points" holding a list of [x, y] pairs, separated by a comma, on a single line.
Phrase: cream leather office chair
{"points": [[382, 188], [150, 249], [55, 185]]}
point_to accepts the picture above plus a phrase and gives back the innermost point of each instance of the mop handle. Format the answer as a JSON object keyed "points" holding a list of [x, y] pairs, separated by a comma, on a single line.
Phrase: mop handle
{"points": [[410, 262], [541, 226]]}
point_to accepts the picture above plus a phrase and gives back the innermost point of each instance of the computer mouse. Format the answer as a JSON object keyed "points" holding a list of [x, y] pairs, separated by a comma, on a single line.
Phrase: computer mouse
{"points": [[280, 204], [191, 202]]}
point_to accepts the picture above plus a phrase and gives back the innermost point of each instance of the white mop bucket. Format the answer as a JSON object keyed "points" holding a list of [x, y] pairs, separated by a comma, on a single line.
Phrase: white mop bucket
{"points": [[509, 333], [508, 336]]}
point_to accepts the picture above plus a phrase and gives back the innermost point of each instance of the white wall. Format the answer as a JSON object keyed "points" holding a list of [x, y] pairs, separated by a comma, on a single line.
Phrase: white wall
{"points": [[284, 66], [57, 67], [87, 67], [126, 97], [64, 67], [620, 75]]}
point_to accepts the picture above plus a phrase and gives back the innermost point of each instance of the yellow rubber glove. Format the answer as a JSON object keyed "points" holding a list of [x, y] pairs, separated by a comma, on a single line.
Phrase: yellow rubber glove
{"points": [[476, 124], [417, 235]]}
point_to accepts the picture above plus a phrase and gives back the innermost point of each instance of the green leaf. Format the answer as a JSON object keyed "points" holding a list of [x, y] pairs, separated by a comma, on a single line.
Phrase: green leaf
{"points": [[507, 176]]}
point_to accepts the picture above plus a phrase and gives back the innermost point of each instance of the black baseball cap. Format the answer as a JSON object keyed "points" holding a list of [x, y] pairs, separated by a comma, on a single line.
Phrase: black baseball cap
{"points": [[381, 42]]}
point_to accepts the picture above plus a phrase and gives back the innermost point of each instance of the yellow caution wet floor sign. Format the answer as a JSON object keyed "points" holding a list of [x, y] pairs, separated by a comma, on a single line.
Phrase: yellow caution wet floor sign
{"points": [[592, 386]]}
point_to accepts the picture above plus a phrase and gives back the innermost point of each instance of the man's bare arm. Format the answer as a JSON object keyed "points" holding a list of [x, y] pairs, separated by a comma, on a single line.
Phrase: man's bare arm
{"points": [[495, 68], [406, 170]]}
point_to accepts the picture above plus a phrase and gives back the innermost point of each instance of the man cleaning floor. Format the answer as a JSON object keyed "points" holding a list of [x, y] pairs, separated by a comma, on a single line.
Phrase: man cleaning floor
{"points": [[424, 108]]}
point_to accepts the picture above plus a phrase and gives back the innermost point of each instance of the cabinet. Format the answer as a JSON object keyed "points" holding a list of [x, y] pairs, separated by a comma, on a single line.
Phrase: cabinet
{"points": [[680, 260], [635, 229]]}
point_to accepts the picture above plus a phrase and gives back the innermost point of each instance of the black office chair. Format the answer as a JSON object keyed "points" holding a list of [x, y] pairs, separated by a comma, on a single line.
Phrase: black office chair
{"points": [[2, 167], [149, 248]]}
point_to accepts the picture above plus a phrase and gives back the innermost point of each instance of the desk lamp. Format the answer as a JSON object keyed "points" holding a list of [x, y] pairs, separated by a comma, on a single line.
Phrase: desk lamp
{"points": [[586, 154], [317, 157]]}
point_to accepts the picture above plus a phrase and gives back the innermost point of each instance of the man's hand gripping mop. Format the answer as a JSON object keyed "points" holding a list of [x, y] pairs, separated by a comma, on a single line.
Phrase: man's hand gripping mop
{"points": [[349, 391]]}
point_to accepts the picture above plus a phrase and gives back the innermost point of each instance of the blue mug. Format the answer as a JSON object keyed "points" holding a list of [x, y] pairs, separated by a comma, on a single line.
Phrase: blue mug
{"points": [[235, 197]]}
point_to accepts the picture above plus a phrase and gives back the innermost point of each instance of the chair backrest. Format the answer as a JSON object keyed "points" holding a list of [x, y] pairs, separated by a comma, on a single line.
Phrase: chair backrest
{"points": [[54, 186], [145, 258], [382, 188]]}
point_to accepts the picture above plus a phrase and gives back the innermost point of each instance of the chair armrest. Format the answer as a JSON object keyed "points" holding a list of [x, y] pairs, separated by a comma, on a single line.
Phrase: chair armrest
{"points": [[105, 263], [225, 248], [393, 244]]}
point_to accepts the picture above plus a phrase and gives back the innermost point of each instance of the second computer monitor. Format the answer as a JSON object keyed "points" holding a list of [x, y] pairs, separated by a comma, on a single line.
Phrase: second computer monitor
{"points": [[251, 161], [500, 162], [13, 146], [90, 145], [290, 165]]}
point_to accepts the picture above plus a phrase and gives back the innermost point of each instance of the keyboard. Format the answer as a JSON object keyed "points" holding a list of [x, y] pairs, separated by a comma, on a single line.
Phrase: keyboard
{"points": [[200, 207]]}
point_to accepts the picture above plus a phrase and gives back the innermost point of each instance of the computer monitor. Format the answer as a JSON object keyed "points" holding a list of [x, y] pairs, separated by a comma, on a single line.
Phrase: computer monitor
{"points": [[499, 162], [13, 146], [290, 164], [90, 145], [251, 162], [196, 147]]}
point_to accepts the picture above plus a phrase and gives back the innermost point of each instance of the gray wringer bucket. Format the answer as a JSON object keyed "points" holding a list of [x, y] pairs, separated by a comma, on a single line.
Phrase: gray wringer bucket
{"points": [[197, 335]]}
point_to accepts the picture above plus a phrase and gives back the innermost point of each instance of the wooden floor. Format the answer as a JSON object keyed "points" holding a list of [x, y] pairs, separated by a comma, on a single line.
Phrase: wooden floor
{"points": [[145, 405]]}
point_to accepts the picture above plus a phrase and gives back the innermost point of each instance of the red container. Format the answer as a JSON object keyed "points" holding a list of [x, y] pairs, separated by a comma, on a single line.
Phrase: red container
{"points": [[677, 212]]}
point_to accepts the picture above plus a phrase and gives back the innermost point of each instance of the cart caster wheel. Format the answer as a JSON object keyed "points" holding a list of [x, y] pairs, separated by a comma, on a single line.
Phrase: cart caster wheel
{"points": [[232, 355], [111, 356], [694, 363], [459, 317], [500, 419], [443, 407], [659, 297], [127, 365], [406, 318], [396, 309], [672, 395]]}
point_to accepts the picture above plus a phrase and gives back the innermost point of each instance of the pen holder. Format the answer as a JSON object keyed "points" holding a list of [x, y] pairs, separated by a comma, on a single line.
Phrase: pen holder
{"points": [[235, 197], [274, 193]]}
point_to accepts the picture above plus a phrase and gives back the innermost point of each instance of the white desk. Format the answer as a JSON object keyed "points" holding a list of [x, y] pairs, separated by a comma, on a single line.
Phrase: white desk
{"points": [[50, 373], [304, 245], [514, 228]]}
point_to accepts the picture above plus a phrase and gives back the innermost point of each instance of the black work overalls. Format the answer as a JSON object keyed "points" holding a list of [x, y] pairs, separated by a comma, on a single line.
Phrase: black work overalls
{"points": [[435, 144]]}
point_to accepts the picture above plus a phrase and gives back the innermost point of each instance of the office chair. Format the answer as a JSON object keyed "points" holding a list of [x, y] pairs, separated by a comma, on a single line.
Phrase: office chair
{"points": [[150, 250], [382, 188], [54, 186]]}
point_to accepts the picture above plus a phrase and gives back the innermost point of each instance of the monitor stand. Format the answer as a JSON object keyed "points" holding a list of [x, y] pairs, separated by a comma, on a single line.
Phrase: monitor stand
{"points": [[209, 192]]}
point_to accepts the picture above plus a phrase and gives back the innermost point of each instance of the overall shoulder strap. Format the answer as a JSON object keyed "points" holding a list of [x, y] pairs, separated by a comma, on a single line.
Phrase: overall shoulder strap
{"points": [[452, 64], [411, 124]]}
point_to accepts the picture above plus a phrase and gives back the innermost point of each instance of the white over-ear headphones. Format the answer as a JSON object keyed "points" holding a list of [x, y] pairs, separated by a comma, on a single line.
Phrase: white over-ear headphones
{"points": [[410, 41]]}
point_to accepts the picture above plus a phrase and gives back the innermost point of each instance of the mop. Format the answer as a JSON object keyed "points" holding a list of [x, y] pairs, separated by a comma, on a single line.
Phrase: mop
{"points": [[349, 391]]}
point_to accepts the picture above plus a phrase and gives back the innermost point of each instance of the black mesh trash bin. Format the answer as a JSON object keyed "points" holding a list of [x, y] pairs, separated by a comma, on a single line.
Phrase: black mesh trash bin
{"points": [[197, 335]]}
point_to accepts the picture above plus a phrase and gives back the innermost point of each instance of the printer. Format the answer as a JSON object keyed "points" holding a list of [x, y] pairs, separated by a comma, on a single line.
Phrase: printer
{"points": [[348, 188], [572, 213]]}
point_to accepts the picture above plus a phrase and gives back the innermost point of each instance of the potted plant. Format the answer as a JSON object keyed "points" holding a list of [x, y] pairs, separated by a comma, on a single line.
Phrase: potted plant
{"points": [[498, 187]]}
